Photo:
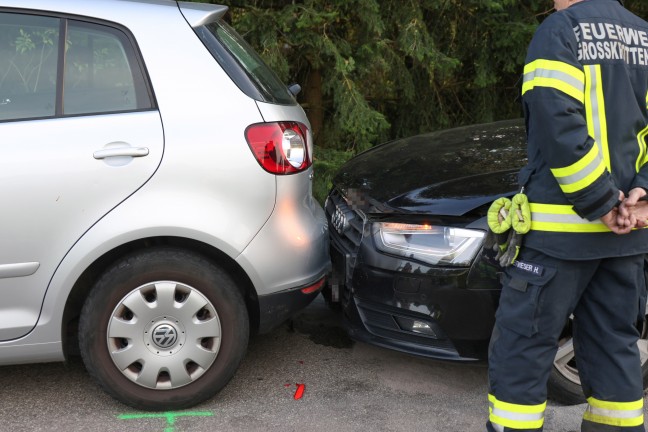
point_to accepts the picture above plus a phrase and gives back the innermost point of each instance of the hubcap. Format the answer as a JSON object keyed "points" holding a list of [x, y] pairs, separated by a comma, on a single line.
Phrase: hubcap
{"points": [[164, 335], [565, 360]]}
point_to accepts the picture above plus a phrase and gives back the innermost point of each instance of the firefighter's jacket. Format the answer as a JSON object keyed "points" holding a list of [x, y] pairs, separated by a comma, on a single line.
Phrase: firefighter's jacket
{"points": [[585, 96]]}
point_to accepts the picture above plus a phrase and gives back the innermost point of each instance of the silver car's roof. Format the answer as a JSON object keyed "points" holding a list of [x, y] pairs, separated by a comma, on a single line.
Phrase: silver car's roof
{"points": [[196, 14]]}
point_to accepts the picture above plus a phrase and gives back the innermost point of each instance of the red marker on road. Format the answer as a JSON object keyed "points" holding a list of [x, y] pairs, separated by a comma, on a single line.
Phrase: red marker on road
{"points": [[300, 391]]}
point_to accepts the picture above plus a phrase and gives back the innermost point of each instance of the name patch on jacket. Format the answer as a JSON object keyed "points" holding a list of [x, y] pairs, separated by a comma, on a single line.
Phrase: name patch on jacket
{"points": [[529, 268], [607, 41]]}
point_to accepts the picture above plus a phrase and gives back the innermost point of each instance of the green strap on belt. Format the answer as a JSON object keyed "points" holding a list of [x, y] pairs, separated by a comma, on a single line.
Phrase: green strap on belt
{"points": [[499, 220], [503, 215], [520, 214]]}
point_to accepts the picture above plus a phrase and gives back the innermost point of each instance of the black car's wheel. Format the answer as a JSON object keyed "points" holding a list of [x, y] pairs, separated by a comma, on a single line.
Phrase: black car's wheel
{"points": [[163, 329], [564, 382]]}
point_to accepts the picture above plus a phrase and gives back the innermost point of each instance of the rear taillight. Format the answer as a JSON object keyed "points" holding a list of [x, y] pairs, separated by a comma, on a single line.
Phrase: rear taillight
{"points": [[280, 148]]}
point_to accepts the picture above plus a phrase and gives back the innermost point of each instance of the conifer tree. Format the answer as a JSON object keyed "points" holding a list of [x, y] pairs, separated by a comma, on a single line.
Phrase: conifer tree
{"points": [[374, 70]]}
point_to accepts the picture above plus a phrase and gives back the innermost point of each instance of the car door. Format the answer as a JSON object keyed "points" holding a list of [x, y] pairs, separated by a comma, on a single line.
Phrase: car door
{"points": [[79, 133]]}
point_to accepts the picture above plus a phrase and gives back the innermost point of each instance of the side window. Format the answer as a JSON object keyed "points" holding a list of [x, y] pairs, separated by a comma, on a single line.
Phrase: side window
{"points": [[28, 66], [101, 72]]}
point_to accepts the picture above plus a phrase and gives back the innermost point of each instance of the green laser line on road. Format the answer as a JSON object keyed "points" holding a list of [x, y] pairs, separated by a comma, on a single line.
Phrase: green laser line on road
{"points": [[169, 416]]}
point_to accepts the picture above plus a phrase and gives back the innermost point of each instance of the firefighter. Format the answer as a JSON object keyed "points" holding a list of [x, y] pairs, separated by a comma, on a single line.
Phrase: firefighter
{"points": [[584, 94]]}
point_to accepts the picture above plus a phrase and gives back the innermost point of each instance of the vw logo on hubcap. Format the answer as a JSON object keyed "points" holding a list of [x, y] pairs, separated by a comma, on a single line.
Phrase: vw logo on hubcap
{"points": [[165, 336]]}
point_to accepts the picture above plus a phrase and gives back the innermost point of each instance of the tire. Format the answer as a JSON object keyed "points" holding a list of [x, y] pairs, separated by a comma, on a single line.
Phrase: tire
{"points": [[564, 383], [163, 329]]}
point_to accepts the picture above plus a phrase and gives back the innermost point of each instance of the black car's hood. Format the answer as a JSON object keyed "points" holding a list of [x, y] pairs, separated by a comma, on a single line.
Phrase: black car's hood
{"points": [[449, 172]]}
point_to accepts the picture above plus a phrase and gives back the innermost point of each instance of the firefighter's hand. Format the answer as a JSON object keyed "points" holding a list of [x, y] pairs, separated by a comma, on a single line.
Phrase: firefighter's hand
{"points": [[632, 211], [616, 223]]}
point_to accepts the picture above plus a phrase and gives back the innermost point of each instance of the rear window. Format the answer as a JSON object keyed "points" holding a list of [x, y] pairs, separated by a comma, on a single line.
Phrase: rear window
{"points": [[243, 64]]}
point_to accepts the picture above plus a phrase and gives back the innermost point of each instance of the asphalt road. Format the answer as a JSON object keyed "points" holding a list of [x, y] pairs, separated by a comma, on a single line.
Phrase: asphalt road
{"points": [[348, 387]]}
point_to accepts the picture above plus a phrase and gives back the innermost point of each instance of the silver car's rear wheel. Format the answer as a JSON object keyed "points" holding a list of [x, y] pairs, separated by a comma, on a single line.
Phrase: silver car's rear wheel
{"points": [[163, 329], [164, 335]]}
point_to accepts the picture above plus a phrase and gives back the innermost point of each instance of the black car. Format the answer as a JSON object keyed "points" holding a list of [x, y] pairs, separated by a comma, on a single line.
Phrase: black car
{"points": [[407, 221]]}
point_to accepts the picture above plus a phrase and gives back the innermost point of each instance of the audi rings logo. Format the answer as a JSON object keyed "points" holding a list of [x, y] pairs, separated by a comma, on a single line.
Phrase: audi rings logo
{"points": [[339, 221], [165, 336]]}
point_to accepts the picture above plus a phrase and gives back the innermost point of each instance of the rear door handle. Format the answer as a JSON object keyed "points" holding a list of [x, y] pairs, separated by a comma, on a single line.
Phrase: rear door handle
{"points": [[121, 151], [18, 269]]}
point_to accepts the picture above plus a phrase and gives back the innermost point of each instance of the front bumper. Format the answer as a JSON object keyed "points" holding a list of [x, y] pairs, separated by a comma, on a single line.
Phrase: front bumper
{"points": [[377, 324], [444, 313], [430, 314]]}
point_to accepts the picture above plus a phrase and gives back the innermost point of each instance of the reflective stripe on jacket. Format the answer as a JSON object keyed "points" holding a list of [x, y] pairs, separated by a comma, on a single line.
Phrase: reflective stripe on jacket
{"points": [[585, 97]]}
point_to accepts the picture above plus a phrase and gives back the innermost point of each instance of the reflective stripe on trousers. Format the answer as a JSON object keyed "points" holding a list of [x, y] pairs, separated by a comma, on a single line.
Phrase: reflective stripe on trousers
{"points": [[504, 414], [621, 414]]}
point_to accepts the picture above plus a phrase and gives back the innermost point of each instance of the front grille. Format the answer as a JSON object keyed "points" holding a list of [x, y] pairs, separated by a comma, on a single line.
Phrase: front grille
{"points": [[349, 234], [346, 225]]}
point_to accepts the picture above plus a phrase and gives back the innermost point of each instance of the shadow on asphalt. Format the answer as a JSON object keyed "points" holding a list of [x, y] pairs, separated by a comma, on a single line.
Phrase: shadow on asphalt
{"points": [[322, 324]]}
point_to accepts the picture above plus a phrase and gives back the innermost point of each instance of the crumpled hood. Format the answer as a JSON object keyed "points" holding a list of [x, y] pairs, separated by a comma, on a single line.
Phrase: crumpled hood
{"points": [[449, 172]]}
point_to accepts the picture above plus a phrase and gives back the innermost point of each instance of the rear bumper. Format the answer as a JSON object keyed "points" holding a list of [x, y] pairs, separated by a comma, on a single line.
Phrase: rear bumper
{"points": [[276, 308], [292, 249]]}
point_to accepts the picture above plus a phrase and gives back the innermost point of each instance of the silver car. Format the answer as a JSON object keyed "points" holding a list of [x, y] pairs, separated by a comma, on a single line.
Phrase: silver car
{"points": [[155, 187]]}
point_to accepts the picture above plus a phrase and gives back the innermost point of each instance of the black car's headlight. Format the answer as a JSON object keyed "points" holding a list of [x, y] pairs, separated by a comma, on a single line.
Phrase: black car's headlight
{"points": [[432, 244]]}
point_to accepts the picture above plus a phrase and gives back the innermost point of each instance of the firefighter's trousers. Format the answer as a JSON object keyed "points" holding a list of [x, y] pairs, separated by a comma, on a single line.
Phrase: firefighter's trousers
{"points": [[607, 299]]}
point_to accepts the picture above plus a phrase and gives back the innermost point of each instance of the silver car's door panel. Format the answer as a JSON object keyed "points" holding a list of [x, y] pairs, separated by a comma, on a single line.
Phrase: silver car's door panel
{"points": [[50, 177]]}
